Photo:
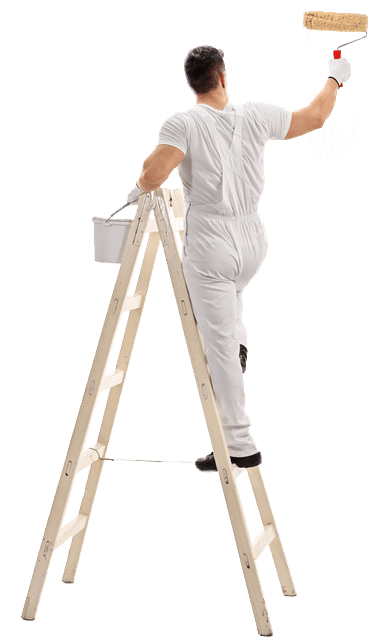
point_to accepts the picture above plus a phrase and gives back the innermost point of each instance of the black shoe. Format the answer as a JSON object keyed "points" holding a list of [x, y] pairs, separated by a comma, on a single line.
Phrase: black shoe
{"points": [[243, 357], [207, 463]]}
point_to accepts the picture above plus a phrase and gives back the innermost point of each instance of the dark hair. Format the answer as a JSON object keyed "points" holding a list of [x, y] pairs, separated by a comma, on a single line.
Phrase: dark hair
{"points": [[203, 66]]}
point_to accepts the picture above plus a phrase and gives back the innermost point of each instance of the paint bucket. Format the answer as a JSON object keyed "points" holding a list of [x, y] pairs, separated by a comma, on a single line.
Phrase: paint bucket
{"points": [[110, 239]]}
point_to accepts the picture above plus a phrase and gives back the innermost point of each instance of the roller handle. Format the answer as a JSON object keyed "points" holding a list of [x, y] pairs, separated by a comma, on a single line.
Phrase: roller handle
{"points": [[336, 55]]}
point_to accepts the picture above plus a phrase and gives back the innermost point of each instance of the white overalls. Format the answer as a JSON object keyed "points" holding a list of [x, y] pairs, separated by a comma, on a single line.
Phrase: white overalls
{"points": [[224, 246]]}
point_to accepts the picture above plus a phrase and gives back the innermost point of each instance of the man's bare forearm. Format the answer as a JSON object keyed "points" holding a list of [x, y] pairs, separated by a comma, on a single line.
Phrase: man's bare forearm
{"points": [[324, 102]]}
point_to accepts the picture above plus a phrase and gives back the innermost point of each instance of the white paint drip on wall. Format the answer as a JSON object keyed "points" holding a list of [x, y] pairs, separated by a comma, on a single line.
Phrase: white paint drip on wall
{"points": [[339, 132]]}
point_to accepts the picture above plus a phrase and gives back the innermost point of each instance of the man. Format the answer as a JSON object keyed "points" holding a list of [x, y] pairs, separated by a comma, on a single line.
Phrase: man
{"points": [[219, 149]]}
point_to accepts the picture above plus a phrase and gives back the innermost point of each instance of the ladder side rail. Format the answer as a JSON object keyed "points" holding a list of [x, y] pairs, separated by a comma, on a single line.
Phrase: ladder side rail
{"points": [[112, 405], [85, 412], [275, 545], [211, 413], [270, 533]]}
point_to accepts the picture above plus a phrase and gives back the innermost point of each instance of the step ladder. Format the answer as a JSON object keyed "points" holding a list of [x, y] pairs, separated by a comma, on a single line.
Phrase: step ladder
{"points": [[169, 219]]}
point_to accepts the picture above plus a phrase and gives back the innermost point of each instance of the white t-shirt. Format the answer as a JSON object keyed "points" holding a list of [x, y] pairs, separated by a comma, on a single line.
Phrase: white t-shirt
{"points": [[261, 122]]}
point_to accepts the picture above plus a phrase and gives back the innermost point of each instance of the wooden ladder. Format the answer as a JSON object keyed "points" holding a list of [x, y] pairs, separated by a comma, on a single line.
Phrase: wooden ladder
{"points": [[163, 227]]}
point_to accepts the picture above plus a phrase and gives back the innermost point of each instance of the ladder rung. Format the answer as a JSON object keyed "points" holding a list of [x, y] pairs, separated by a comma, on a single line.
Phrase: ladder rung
{"points": [[112, 380], [237, 470], [71, 529], [177, 223], [263, 539], [90, 456], [132, 302]]}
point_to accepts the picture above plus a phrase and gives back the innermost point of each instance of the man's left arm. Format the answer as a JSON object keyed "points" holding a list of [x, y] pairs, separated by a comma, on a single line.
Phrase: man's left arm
{"points": [[158, 166]]}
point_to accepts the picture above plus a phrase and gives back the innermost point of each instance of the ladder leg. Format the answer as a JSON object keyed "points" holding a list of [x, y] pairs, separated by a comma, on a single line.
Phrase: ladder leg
{"points": [[244, 545], [88, 402], [112, 404], [54, 524], [211, 413], [265, 511]]}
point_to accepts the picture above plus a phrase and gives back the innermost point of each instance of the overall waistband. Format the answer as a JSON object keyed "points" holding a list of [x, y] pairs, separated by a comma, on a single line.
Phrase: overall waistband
{"points": [[219, 210]]}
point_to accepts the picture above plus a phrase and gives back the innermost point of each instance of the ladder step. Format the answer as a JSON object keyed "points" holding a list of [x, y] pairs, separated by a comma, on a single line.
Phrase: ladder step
{"points": [[71, 529], [90, 456], [112, 380], [263, 539], [177, 224], [237, 470], [132, 302]]}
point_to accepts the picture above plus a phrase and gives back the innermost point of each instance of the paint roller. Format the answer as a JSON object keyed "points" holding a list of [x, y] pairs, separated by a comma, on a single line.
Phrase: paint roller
{"points": [[342, 124], [330, 21]]}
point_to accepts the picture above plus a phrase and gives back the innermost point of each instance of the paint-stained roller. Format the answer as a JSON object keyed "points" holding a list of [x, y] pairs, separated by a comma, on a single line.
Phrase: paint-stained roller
{"points": [[329, 21], [345, 118]]}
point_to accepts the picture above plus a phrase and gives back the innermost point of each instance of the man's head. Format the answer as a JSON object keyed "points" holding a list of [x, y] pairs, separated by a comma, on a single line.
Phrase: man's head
{"points": [[203, 68]]}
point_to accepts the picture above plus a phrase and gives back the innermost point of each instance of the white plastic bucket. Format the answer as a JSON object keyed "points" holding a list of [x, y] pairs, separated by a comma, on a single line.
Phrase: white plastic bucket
{"points": [[110, 238]]}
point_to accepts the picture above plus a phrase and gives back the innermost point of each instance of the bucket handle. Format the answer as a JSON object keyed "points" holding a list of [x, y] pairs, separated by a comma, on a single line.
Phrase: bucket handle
{"points": [[114, 213]]}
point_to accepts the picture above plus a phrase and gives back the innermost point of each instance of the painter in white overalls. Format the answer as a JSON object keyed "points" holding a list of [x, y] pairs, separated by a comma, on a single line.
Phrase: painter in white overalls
{"points": [[224, 241]]}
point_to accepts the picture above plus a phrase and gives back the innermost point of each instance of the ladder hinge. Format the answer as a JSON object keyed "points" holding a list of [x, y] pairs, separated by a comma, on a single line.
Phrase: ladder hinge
{"points": [[225, 475], [91, 388], [204, 390], [68, 468]]}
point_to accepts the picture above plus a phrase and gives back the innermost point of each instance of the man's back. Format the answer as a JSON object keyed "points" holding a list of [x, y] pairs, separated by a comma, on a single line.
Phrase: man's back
{"points": [[204, 133]]}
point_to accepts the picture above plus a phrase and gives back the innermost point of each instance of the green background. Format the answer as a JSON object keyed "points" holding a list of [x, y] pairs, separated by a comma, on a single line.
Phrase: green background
{"points": [[85, 89]]}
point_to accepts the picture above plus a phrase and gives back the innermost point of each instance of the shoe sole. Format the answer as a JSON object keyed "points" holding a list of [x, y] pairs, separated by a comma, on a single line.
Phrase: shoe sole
{"points": [[246, 462]]}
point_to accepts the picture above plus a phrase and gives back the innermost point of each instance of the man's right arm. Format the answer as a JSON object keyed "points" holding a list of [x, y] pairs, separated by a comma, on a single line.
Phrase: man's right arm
{"points": [[325, 101], [315, 114]]}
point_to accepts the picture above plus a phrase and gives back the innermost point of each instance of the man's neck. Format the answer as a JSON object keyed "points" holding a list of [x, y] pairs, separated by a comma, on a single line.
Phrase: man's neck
{"points": [[216, 106], [217, 102]]}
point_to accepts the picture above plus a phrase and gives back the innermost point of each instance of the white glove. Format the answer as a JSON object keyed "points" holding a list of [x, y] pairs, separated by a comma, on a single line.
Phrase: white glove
{"points": [[134, 195], [339, 69]]}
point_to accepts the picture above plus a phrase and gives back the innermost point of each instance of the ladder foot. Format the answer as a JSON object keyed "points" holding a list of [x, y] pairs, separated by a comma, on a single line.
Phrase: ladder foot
{"points": [[266, 634]]}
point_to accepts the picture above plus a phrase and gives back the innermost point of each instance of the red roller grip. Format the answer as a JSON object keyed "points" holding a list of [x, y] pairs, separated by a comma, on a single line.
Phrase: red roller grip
{"points": [[337, 54]]}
